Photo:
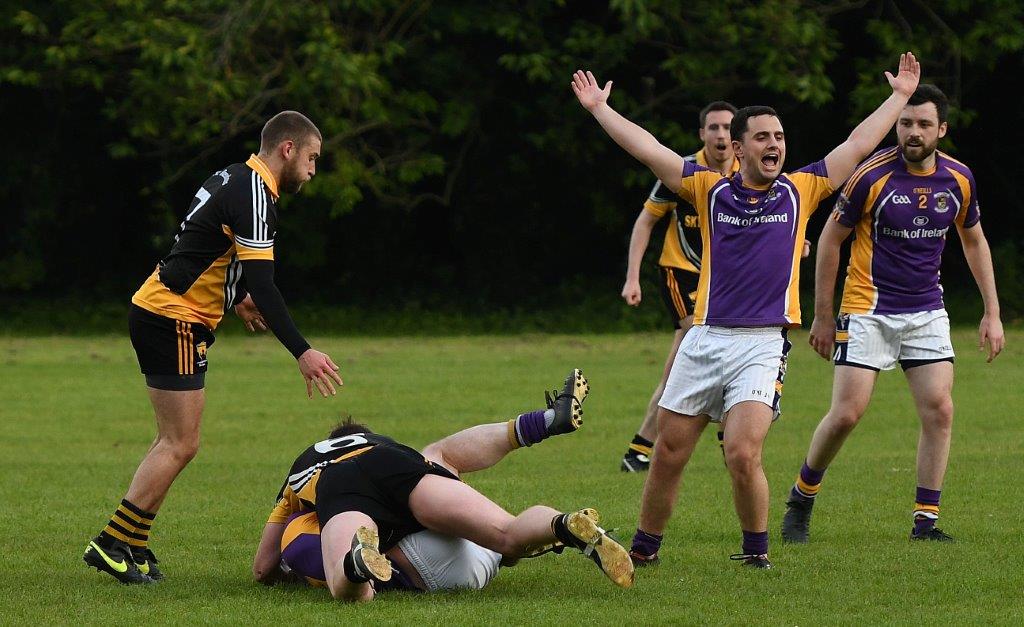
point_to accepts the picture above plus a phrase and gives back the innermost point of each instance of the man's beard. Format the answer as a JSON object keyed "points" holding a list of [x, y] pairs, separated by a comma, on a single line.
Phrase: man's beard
{"points": [[917, 154], [291, 182]]}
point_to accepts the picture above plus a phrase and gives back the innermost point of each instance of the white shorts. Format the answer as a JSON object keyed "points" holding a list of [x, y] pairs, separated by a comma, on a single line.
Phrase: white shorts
{"points": [[446, 563], [718, 367], [878, 342]]}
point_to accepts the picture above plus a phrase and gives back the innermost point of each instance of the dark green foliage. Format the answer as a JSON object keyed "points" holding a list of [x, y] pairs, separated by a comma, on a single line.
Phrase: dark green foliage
{"points": [[458, 170]]}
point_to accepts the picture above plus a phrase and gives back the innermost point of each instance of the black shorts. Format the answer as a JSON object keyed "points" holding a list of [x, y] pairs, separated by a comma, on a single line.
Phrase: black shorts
{"points": [[171, 353], [376, 483], [678, 290]]}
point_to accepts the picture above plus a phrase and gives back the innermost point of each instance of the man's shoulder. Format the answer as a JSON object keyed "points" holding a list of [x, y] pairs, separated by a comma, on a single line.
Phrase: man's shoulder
{"points": [[883, 162], [948, 162], [237, 176], [240, 186], [661, 194]]}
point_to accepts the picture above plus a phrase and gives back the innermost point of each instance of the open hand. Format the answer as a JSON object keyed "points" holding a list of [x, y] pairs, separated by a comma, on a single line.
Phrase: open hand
{"points": [[318, 369], [908, 76], [991, 330], [584, 85], [250, 315]]}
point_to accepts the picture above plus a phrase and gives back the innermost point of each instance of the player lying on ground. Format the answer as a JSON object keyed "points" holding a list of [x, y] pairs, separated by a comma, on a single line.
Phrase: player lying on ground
{"points": [[425, 560], [369, 492]]}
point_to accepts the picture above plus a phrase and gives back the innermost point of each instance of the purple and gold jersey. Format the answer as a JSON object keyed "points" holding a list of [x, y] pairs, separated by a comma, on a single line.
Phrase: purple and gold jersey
{"points": [[682, 246], [900, 219], [750, 264]]}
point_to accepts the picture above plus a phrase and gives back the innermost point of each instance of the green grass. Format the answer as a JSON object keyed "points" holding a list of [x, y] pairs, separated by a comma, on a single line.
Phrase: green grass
{"points": [[75, 420]]}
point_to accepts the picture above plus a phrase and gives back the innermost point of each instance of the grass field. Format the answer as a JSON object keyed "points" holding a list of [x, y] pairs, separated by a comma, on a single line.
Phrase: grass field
{"points": [[75, 420]]}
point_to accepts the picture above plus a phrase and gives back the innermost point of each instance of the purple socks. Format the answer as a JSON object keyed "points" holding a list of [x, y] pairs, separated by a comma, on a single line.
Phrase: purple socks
{"points": [[646, 544], [531, 427], [755, 542], [926, 509], [808, 482]]}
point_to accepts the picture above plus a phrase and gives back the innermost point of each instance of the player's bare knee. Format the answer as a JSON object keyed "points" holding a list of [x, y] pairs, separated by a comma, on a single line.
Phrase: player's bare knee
{"points": [[939, 416], [184, 450], [508, 546], [844, 419], [742, 460], [434, 452]]}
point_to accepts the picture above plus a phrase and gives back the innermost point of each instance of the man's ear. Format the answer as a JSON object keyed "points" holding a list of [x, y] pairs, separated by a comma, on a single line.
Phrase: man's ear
{"points": [[943, 127]]}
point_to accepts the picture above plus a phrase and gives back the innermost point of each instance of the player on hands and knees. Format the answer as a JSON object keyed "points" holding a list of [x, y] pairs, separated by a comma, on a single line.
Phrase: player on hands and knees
{"points": [[369, 493], [223, 256], [731, 364], [901, 202], [426, 560]]}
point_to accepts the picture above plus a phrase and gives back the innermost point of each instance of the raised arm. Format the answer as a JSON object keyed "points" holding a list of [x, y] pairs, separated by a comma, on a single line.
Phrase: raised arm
{"points": [[979, 258], [844, 158], [665, 163], [823, 329]]}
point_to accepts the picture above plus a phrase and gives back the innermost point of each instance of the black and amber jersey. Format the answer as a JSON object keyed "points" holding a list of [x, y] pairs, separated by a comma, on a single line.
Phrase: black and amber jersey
{"points": [[683, 247], [298, 493], [233, 218]]}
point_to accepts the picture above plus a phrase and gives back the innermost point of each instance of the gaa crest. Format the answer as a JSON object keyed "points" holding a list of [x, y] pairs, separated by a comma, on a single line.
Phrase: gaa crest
{"points": [[941, 202]]}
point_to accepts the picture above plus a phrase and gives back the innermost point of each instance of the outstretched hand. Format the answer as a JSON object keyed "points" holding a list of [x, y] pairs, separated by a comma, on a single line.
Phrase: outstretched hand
{"points": [[318, 369], [908, 76], [590, 95]]}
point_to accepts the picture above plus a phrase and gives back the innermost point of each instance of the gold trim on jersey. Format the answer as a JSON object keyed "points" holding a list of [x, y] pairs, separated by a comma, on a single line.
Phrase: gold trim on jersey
{"points": [[859, 291], [244, 252], [263, 170], [879, 159], [810, 190], [915, 172], [672, 255], [292, 501], [697, 191], [965, 189], [953, 159], [203, 303]]}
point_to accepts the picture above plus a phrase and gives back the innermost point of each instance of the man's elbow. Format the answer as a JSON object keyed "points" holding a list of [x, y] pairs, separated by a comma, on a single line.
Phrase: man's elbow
{"points": [[264, 572], [260, 574]]}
